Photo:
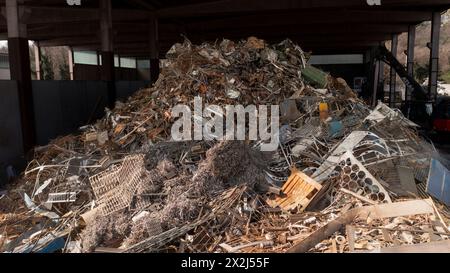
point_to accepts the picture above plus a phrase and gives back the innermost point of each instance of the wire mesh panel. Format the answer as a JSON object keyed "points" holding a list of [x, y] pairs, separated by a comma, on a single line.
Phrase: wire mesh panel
{"points": [[114, 188]]}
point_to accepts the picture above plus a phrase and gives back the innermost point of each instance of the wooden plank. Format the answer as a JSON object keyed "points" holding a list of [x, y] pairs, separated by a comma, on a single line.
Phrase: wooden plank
{"points": [[399, 209], [350, 230], [406, 208], [333, 246], [387, 237], [324, 232], [108, 250], [296, 191], [433, 247]]}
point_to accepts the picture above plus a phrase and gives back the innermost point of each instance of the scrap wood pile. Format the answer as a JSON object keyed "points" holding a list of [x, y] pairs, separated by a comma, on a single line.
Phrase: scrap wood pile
{"points": [[343, 179]]}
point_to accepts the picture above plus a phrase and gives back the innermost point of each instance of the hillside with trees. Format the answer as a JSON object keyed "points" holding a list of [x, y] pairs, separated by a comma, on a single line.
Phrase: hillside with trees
{"points": [[422, 52]]}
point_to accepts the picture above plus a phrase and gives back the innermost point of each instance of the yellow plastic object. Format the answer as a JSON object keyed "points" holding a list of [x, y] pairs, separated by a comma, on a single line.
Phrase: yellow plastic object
{"points": [[323, 107]]}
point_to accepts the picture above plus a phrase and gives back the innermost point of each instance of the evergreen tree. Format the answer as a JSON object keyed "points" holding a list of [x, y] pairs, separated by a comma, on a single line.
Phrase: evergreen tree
{"points": [[47, 68]]}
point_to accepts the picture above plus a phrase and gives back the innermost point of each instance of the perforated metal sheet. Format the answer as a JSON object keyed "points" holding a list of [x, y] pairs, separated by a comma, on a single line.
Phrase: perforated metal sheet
{"points": [[356, 178]]}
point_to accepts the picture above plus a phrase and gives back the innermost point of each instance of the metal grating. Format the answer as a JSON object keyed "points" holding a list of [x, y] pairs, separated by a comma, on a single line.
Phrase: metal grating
{"points": [[105, 181], [65, 197], [114, 189], [154, 228]]}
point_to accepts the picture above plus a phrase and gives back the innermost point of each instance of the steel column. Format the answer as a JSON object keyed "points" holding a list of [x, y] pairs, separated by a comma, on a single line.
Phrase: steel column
{"points": [[393, 74], [410, 59], [154, 48], [376, 79], [434, 55], [20, 68], [107, 68]]}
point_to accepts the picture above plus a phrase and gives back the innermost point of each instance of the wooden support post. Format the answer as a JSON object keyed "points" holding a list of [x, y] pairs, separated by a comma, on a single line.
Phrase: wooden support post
{"points": [[154, 48], [393, 78], [20, 67], [434, 55], [107, 68]]}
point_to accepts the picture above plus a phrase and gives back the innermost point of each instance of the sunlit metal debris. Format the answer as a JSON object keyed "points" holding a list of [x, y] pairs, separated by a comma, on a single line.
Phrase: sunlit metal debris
{"points": [[121, 185]]}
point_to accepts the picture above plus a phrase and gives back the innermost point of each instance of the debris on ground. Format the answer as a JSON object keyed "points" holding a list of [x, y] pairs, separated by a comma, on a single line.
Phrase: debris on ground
{"points": [[345, 177]]}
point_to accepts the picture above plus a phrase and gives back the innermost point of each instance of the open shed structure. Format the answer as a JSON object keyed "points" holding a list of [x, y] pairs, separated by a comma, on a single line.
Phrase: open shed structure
{"points": [[148, 28]]}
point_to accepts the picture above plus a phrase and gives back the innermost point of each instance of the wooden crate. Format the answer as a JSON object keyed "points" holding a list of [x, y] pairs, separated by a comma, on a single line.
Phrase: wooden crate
{"points": [[298, 192]]}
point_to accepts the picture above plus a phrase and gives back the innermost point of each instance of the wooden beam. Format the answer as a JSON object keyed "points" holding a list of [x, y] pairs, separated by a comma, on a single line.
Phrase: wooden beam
{"points": [[318, 38], [137, 32], [432, 247], [143, 4], [311, 17], [310, 28], [54, 15], [415, 207], [48, 15], [215, 8]]}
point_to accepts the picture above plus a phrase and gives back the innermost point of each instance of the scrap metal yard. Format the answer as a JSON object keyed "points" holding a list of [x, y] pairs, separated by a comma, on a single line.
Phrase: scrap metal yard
{"points": [[156, 172]]}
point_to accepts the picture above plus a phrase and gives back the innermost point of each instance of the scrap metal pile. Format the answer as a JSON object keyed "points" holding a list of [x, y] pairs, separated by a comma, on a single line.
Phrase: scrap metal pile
{"points": [[343, 178]]}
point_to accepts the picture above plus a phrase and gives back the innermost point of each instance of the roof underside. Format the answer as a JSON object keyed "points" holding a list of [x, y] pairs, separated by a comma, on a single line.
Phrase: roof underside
{"points": [[321, 26]]}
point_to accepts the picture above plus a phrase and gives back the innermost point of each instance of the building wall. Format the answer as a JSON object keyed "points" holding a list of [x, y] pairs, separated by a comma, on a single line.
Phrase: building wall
{"points": [[346, 71], [60, 108], [86, 72], [11, 151], [126, 74], [346, 66], [4, 74]]}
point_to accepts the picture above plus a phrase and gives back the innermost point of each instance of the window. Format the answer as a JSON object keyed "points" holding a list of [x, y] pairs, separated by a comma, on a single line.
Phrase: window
{"points": [[128, 62], [86, 57], [4, 61]]}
